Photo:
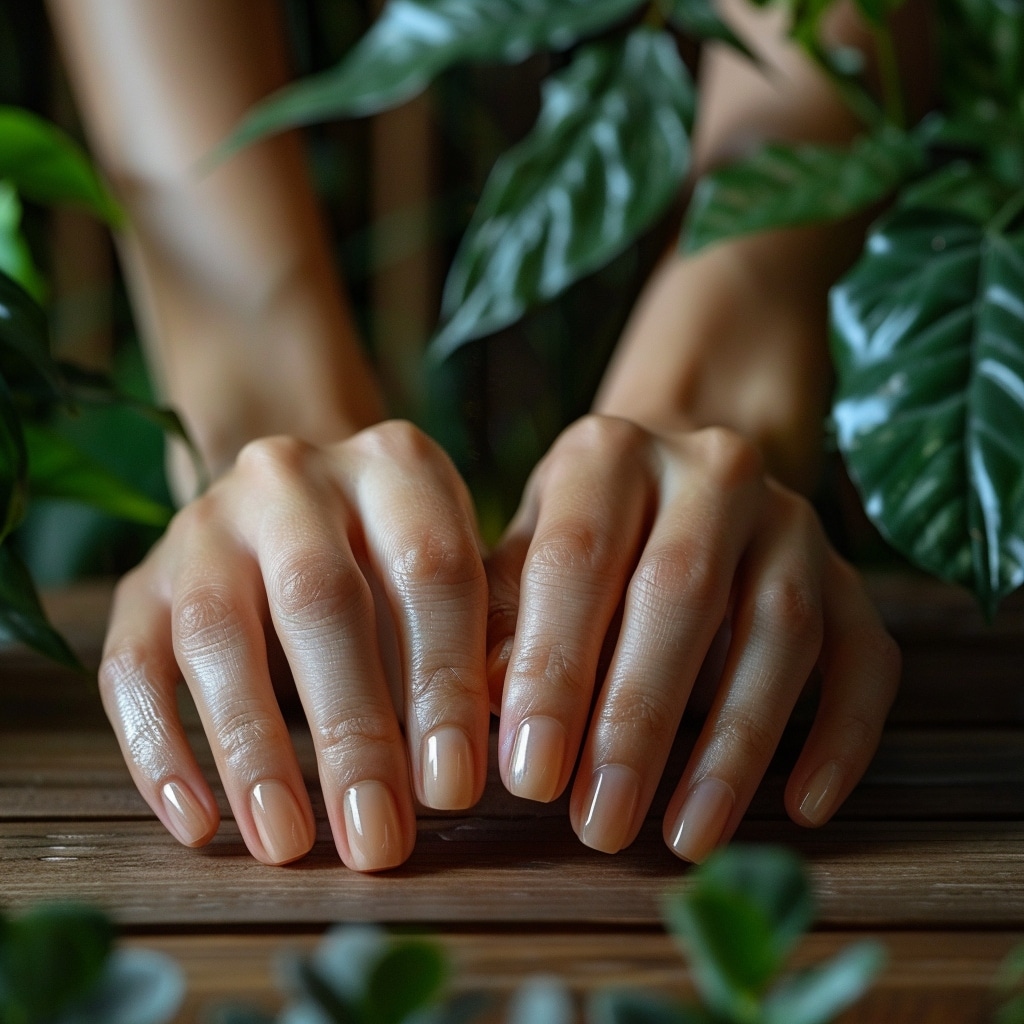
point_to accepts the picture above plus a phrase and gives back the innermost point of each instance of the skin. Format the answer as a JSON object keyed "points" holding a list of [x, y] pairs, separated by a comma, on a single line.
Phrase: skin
{"points": [[349, 541]]}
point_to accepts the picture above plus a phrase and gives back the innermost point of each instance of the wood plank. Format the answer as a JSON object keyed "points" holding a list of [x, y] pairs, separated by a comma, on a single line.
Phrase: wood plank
{"points": [[868, 874]]}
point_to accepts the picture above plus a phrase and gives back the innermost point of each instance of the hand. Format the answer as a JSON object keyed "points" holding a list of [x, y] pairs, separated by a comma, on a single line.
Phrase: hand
{"points": [[681, 533], [345, 552]]}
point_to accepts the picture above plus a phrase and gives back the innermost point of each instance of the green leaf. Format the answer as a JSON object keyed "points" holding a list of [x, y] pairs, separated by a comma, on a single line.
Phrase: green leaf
{"points": [[958, 189], [820, 994], [44, 164], [878, 12], [58, 469], [22, 619], [621, 1006], [413, 41], [607, 155], [50, 957], [405, 979], [928, 338], [15, 259], [789, 186], [13, 464], [24, 337], [700, 18]]}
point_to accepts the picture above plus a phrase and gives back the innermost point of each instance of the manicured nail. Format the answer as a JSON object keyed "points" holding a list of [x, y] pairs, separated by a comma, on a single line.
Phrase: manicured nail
{"points": [[821, 793], [703, 819], [371, 823], [185, 814], [537, 756], [609, 808], [448, 783], [283, 828]]}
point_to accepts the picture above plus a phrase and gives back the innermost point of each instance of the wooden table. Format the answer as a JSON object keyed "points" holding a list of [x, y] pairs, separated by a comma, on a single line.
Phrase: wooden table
{"points": [[928, 853]]}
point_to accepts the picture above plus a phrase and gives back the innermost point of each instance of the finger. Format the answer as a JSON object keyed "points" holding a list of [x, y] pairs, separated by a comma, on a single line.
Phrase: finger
{"points": [[322, 609], [422, 546], [594, 496], [218, 640], [677, 600], [860, 666], [777, 638], [138, 680]]}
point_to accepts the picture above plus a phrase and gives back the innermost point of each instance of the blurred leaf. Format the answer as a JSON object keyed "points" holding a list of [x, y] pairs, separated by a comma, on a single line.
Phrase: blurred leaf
{"points": [[15, 258], [607, 155], [788, 186], [958, 189], [625, 1007], [58, 469], [820, 994], [50, 957], [878, 12], [137, 986], [1011, 970], [406, 978], [44, 164], [413, 41], [24, 337], [1011, 1012], [22, 619], [459, 1009], [700, 18], [319, 990], [13, 464], [543, 999], [928, 339]]}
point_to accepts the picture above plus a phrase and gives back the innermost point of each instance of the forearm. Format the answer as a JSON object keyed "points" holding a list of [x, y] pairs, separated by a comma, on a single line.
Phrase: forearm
{"points": [[229, 271]]}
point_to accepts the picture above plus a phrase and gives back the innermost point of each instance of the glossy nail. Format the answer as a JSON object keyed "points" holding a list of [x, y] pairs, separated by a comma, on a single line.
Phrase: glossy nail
{"points": [[537, 756], [609, 808], [821, 793], [283, 828], [702, 820], [448, 783], [372, 827], [186, 816]]}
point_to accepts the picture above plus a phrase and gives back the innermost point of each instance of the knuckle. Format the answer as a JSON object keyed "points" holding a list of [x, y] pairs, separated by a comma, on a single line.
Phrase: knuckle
{"points": [[684, 570], [732, 459], [275, 457], [309, 586], [567, 549], [790, 608], [440, 556], [397, 440], [860, 730], [206, 619], [345, 735], [445, 689], [646, 716], [603, 436], [750, 736], [879, 650], [554, 665], [244, 731]]}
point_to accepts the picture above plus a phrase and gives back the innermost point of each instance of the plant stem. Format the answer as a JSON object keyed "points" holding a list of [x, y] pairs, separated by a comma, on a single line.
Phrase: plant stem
{"points": [[889, 71]]}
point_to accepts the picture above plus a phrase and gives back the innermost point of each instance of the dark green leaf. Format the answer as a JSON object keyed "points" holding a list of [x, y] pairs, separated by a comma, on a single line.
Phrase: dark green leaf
{"points": [[24, 337], [45, 165], [928, 337], [405, 979], [617, 1006], [58, 469], [700, 18], [50, 957], [607, 155], [22, 619], [878, 12], [320, 991], [13, 464], [413, 41], [820, 994], [960, 190], [15, 258], [788, 186]]}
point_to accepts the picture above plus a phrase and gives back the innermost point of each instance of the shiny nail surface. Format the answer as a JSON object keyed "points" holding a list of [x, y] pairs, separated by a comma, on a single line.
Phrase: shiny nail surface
{"points": [[448, 783], [821, 793], [372, 827], [609, 808], [702, 820], [537, 755], [185, 814], [283, 828]]}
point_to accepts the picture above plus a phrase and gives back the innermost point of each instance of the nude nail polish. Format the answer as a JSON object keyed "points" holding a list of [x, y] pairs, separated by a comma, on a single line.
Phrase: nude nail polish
{"points": [[537, 755], [702, 820], [821, 793], [609, 808], [185, 814], [282, 827], [448, 783], [372, 827]]}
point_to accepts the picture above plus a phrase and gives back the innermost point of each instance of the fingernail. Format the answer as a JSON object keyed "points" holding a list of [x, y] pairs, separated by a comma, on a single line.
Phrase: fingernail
{"points": [[609, 808], [282, 826], [703, 819], [371, 823], [537, 756], [448, 769], [185, 814], [821, 793]]}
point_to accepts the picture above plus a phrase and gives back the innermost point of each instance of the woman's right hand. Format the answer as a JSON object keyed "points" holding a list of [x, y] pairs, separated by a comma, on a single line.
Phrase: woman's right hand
{"points": [[363, 558]]}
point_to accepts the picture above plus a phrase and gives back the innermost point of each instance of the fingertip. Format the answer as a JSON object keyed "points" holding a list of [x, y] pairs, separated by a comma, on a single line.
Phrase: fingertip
{"points": [[813, 803], [374, 838], [185, 815]]}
